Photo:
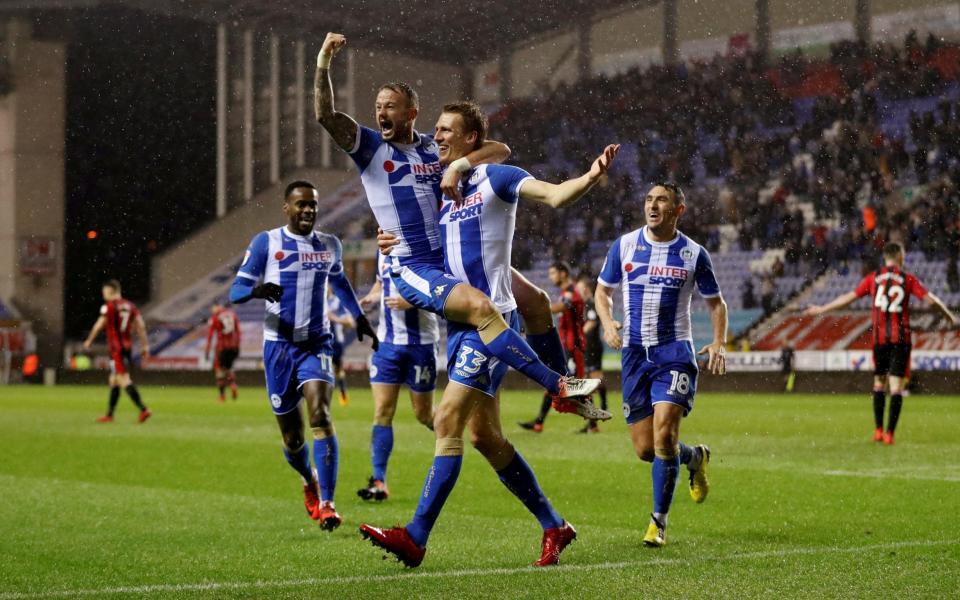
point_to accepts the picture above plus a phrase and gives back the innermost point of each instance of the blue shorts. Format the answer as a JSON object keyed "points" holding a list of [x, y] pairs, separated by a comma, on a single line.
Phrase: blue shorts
{"points": [[664, 373], [468, 360], [288, 366], [425, 285], [415, 366]]}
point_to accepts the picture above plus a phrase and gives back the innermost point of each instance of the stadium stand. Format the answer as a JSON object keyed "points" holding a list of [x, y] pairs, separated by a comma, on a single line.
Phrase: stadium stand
{"points": [[796, 175]]}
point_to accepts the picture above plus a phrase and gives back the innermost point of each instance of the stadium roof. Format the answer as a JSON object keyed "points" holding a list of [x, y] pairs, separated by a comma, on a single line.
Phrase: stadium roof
{"points": [[450, 32]]}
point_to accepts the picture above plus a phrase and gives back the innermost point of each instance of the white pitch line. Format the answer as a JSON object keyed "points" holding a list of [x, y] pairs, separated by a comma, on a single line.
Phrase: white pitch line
{"points": [[248, 585], [890, 475]]}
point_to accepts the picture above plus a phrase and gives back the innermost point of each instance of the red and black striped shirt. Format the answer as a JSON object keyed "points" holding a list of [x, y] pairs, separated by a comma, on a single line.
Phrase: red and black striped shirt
{"points": [[121, 315], [890, 289], [572, 319]]}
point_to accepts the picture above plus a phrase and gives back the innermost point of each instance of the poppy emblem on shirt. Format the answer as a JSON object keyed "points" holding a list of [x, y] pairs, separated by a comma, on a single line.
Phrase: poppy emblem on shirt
{"points": [[388, 166], [628, 267], [278, 255]]}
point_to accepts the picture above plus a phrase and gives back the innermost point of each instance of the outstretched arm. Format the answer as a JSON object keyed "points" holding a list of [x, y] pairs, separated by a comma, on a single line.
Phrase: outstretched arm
{"points": [[934, 301], [558, 195], [838, 302], [341, 127]]}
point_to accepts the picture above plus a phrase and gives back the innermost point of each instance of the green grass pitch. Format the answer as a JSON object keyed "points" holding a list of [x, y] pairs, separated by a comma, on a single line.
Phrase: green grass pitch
{"points": [[198, 502]]}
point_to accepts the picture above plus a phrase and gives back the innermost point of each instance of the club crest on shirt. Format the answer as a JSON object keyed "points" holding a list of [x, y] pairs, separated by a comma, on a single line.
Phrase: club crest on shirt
{"points": [[686, 253]]}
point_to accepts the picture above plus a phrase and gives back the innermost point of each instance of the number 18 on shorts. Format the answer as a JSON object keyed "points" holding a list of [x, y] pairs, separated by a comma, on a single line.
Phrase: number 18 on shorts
{"points": [[663, 373]]}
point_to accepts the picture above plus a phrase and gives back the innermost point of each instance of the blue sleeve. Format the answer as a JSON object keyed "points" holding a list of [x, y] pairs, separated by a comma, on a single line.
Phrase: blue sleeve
{"points": [[611, 274], [365, 147], [341, 285], [251, 269], [704, 276], [505, 181]]}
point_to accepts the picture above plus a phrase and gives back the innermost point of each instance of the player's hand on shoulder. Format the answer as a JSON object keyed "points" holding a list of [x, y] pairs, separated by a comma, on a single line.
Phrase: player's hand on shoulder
{"points": [[267, 291], [717, 361], [386, 241], [811, 311], [602, 164], [612, 335], [333, 43], [364, 328], [450, 186]]}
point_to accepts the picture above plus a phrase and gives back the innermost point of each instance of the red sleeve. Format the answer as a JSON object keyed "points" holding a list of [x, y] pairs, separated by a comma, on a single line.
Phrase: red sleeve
{"points": [[210, 329], [916, 288], [865, 286]]}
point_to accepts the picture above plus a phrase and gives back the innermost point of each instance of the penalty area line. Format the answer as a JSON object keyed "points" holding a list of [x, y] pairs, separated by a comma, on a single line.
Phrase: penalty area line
{"points": [[459, 573]]}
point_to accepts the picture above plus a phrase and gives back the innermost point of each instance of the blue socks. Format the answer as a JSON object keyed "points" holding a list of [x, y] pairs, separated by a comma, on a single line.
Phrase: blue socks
{"points": [[511, 348], [550, 350], [440, 481], [522, 483], [300, 461], [381, 445], [326, 455], [665, 473]]}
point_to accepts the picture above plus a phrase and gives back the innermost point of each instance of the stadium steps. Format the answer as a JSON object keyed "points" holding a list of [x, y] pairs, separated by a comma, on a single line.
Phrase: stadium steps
{"points": [[221, 240]]}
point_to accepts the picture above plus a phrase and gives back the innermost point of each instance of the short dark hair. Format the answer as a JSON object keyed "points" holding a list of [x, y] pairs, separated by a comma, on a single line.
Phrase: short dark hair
{"points": [[561, 266], [678, 195], [892, 250], [400, 87], [473, 118], [297, 184], [113, 284]]}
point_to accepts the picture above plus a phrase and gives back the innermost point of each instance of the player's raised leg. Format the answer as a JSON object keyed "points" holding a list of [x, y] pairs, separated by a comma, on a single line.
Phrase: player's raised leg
{"points": [[467, 304], [326, 448], [486, 435]]}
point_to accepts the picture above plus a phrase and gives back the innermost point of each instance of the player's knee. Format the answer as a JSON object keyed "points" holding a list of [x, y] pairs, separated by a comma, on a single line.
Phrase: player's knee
{"points": [[645, 453], [480, 307], [320, 418], [383, 413], [424, 415], [293, 440]]}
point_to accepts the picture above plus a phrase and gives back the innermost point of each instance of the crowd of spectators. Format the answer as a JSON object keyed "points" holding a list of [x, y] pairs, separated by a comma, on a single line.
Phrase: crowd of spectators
{"points": [[752, 144]]}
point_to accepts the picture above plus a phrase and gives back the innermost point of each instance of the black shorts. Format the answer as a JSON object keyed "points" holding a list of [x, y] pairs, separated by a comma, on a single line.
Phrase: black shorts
{"points": [[226, 357], [593, 359], [891, 359]]}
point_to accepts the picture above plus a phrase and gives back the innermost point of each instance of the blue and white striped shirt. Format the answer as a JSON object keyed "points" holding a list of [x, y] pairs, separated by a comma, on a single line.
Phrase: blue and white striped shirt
{"points": [[657, 281], [409, 327], [478, 236], [402, 183], [302, 266]]}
